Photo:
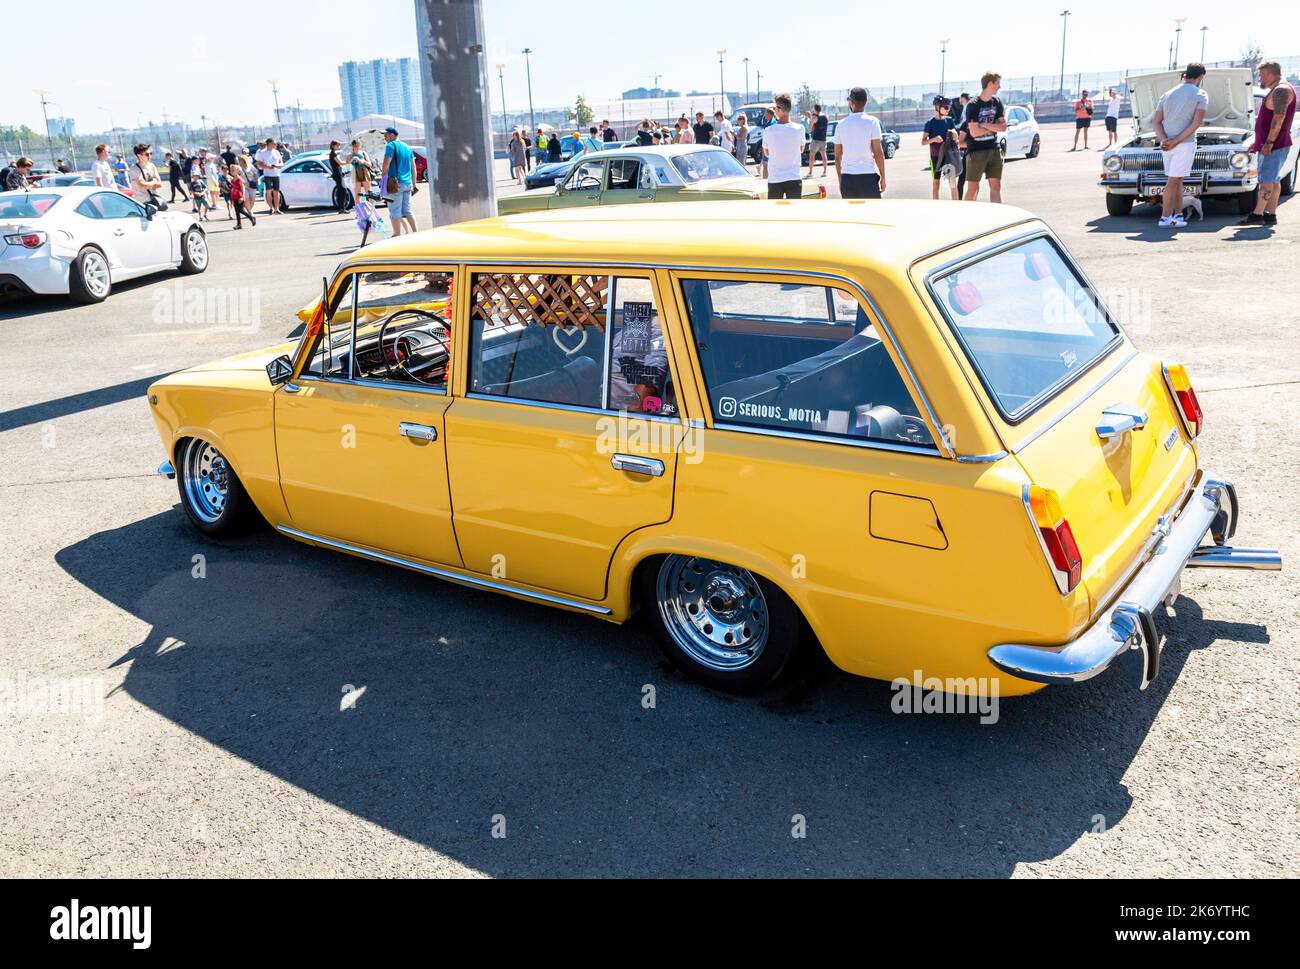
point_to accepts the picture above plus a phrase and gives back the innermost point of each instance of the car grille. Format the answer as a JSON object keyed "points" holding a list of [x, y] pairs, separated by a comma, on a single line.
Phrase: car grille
{"points": [[1205, 161]]}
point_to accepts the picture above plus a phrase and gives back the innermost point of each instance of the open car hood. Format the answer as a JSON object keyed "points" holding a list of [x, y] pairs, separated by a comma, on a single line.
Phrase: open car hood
{"points": [[1231, 91]]}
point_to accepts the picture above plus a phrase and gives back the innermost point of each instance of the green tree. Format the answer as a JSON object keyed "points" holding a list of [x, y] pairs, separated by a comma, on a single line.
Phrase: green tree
{"points": [[804, 99], [581, 113]]}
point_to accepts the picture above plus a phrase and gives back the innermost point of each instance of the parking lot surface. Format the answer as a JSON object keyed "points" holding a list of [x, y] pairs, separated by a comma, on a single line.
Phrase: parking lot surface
{"points": [[274, 709]]}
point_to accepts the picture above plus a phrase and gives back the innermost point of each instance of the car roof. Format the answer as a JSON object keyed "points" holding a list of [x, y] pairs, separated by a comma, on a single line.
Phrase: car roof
{"points": [[734, 233], [663, 151]]}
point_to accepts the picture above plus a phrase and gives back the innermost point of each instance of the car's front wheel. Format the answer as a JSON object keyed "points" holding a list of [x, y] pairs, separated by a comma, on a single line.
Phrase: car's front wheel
{"points": [[88, 277], [1246, 202], [342, 199], [211, 493], [1118, 204], [194, 251], [890, 150], [721, 624]]}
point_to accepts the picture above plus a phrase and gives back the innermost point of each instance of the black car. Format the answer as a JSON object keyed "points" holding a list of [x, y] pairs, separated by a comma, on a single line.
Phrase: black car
{"points": [[889, 139], [546, 174]]}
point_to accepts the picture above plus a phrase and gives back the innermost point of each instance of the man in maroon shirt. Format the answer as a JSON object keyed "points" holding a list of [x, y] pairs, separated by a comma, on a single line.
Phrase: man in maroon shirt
{"points": [[1272, 139]]}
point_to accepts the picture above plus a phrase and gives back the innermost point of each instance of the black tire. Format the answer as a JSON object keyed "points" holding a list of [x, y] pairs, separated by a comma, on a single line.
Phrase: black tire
{"points": [[1288, 181], [194, 251], [890, 150], [1118, 205], [1246, 202], [786, 631], [1002, 147], [1033, 148], [197, 483], [343, 199], [88, 279]]}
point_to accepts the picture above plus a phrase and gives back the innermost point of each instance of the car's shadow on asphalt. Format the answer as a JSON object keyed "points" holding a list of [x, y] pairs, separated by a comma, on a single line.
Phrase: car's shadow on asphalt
{"points": [[430, 710]]}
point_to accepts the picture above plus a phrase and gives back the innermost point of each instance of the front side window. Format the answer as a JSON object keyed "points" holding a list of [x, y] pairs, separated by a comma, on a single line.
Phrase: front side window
{"points": [[1027, 322], [585, 177], [403, 333], [552, 338], [798, 358]]}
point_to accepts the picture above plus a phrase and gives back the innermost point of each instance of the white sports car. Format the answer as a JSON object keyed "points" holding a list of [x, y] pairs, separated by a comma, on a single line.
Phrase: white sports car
{"points": [[81, 240]]}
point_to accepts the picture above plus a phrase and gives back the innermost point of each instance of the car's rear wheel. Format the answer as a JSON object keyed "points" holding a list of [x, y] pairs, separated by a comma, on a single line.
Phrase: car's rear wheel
{"points": [[890, 150], [88, 277], [211, 493], [1118, 204], [1246, 202], [721, 624], [1033, 148], [194, 251]]}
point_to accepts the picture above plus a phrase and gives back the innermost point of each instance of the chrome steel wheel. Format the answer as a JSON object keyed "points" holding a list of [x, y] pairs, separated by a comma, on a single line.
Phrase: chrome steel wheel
{"points": [[714, 612], [94, 273], [206, 477], [196, 247]]}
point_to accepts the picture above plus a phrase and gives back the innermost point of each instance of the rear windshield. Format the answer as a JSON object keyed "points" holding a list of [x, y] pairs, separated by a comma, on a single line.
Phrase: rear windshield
{"points": [[1027, 322], [28, 205]]}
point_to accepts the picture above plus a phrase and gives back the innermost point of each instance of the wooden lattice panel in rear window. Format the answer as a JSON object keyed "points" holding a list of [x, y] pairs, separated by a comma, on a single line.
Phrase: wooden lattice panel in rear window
{"points": [[541, 299]]}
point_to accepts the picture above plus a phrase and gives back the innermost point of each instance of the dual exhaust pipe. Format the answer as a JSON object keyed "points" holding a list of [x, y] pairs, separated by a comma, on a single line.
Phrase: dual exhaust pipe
{"points": [[1228, 557]]}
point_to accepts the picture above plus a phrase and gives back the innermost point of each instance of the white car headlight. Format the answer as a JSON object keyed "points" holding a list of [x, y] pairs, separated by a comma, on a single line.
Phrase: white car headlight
{"points": [[1239, 160], [1111, 164]]}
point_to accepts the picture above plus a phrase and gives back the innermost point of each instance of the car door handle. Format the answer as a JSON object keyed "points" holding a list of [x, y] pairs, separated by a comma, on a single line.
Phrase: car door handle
{"points": [[1118, 418], [651, 467], [646, 195], [420, 432], [119, 232]]}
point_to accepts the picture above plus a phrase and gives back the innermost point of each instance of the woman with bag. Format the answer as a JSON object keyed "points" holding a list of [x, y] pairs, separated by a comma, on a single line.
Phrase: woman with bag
{"points": [[363, 170]]}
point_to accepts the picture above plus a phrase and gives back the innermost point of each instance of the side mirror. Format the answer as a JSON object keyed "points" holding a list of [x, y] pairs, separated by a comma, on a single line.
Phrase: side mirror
{"points": [[279, 370], [150, 210]]}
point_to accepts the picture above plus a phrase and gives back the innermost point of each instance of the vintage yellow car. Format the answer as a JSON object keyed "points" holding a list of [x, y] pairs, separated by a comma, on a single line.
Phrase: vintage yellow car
{"points": [[631, 176], [908, 435]]}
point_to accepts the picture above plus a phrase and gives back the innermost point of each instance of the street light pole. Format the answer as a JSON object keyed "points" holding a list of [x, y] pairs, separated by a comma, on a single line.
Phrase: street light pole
{"points": [[1203, 30], [758, 84], [1065, 21], [275, 93], [528, 69], [722, 84], [1178, 36], [49, 142], [747, 80], [943, 62], [501, 76]]}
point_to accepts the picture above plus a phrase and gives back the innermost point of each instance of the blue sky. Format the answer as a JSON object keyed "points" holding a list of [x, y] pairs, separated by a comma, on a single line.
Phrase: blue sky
{"points": [[96, 57]]}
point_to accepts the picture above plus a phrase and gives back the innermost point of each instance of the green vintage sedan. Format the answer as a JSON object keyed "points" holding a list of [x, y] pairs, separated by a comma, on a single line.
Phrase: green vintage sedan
{"points": [[670, 173]]}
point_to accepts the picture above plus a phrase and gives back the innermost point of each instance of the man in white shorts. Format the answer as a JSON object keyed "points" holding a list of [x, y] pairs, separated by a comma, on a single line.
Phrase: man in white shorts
{"points": [[1179, 113]]}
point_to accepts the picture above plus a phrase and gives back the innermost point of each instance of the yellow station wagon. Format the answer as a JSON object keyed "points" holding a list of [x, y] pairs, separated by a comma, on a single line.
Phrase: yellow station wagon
{"points": [[908, 435]]}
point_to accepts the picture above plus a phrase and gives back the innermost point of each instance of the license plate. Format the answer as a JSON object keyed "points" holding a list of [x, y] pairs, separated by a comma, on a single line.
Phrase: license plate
{"points": [[1187, 189]]}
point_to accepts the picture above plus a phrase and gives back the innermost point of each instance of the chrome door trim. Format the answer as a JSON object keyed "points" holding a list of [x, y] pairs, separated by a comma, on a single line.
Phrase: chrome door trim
{"points": [[1025, 442], [945, 444], [982, 458], [381, 384], [575, 408], [467, 580], [635, 464], [827, 439]]}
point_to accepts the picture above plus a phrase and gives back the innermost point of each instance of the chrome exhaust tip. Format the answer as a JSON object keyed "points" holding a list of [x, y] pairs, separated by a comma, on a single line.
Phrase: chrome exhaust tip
{"points": [[1227, 557]]}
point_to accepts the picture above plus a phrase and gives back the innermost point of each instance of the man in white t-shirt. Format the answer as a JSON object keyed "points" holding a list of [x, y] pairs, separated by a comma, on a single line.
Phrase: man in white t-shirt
{"points": [[859, 154], [102, 168], [782, 150], [268, 162], [725, 133], [1112, 117]]}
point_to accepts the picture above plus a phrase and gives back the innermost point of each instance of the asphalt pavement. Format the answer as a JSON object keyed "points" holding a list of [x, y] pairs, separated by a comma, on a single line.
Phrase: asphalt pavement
{"points": [[171, 706]]}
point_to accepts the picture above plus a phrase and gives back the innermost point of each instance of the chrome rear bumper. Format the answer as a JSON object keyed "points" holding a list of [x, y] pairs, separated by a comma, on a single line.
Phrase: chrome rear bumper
{"points": [[1130, 624]]}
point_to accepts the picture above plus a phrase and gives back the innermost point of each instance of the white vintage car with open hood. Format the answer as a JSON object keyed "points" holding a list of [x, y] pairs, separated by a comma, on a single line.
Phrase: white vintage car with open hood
{"points": [[1224, 167]]}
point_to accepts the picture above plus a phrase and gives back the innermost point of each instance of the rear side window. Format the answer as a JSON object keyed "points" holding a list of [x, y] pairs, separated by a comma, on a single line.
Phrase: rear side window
{"points": [[798, 358], [1027, 322]]}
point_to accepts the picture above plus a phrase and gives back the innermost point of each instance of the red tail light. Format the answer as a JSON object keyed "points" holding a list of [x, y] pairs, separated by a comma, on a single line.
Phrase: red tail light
{"points": [[1181, 387], [28, 240], [1054, 535], [821, 191]]}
